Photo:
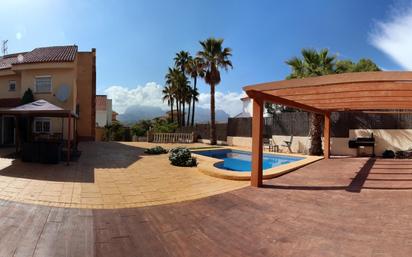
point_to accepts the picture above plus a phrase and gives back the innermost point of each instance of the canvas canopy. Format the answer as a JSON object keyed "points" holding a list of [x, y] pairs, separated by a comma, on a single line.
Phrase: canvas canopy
{"points": [[39, 108]]}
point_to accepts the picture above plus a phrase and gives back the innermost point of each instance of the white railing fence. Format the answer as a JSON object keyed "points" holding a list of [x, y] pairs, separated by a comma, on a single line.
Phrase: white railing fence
{"points": [[171, 137]]}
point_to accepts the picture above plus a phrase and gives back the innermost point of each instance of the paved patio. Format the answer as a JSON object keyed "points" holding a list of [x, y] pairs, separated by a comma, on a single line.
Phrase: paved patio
{"points": [[337, 207], [108, 175]]}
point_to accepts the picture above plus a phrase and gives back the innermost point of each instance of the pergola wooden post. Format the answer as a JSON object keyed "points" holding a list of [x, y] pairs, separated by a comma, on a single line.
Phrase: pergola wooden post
{"points": [[358, 91], [326, 136], [257, 146], [68, 137]]}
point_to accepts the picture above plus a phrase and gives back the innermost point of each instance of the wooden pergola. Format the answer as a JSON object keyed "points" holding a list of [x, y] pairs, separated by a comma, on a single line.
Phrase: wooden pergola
{"points": [[364, 91]]}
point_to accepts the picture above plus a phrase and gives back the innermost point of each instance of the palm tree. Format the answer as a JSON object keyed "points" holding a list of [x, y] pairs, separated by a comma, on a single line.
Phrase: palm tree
{"points": [[192, 95], [168, 95], [181, 59], [214, 56], [345, 66], [170, 78], [179, 82], [195, 69], [312, 64], [184, 98], [188, 99], [195, 98]]}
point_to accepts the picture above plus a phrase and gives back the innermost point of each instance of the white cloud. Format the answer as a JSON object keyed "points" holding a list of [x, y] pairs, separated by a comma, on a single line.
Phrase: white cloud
{"points": [[147, 95], [151, 95], [228, 102], [394, 37]]}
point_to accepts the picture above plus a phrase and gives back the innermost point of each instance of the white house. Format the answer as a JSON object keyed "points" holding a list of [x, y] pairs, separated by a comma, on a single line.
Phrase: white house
{"points": [[103, 111], [247, 109]]}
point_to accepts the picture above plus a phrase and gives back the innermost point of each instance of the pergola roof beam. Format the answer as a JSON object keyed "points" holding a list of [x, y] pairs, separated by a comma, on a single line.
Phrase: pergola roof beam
{"points": [[340, 88], [278, 100], [356, 100], [352, 94], [336, 79]]}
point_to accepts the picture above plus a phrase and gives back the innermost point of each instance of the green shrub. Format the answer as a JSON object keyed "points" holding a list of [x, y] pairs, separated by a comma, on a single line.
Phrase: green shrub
{"points": [[182, 157], [403, 154], [115, 132], [163, 126], [28, 97], [388, 154], [138, 130], [155, 150]]}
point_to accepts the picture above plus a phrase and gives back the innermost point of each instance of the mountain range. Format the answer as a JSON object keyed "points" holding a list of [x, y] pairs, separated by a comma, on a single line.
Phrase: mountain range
{"points": [[135, 113]]}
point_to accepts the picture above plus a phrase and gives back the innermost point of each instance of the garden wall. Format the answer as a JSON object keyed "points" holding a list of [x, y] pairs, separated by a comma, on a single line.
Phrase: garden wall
{"points": [[391, 131], [297, 124], [202, 131]]}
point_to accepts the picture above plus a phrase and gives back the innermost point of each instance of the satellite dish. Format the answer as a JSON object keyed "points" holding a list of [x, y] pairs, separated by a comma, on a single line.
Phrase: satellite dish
{"points": [[63, 93]]}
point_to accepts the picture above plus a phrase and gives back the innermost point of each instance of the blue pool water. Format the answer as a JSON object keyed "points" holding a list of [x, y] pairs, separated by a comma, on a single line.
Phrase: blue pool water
{"points": [[242, 160]]}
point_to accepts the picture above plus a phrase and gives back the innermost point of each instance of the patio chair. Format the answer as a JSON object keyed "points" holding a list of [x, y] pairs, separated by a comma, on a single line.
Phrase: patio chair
{"points": [[288, 144], [273, 145], [270, 145]]}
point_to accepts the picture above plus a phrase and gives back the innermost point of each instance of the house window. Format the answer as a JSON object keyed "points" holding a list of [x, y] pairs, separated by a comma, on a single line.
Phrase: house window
{"points": [[42, 126], [43, 84], [12, 85]]}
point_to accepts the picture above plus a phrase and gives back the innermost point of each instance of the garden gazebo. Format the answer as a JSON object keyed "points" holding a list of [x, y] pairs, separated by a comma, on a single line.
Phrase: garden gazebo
{"points": [[42, 108], [384, 91]]}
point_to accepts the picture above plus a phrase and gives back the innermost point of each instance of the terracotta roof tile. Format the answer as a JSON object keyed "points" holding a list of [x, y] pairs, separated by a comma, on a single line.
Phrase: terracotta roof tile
{"points": [[7, 60], [41, 55], [50, 54]]}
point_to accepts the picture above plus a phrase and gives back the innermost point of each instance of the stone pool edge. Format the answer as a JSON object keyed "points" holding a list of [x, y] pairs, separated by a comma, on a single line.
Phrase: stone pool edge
{"points": [[207, 165]]}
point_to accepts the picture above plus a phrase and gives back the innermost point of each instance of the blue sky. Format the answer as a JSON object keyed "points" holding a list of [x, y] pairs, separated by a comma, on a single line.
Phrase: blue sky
{"points": [[136, 40]]}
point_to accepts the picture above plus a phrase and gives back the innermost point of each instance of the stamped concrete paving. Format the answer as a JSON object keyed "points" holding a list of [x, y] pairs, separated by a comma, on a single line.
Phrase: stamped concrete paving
{"points": [[108, 175], [339, 207]]}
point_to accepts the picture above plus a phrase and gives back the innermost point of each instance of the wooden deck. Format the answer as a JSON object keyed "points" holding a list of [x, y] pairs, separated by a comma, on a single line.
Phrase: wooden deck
{"points": [[337, 207]]}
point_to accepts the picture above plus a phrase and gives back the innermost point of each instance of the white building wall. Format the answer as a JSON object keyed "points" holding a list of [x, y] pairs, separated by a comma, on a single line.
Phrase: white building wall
{"points": [[104, 117], [247, 109], [101, 118], [391, 139]]}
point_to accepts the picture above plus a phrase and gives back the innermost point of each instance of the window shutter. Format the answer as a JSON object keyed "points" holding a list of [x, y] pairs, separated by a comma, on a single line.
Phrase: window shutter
{"points": [[43, 84]]}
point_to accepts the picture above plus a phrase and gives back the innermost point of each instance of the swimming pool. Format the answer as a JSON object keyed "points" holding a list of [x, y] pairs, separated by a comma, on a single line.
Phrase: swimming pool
{"points": [[241, 161]]}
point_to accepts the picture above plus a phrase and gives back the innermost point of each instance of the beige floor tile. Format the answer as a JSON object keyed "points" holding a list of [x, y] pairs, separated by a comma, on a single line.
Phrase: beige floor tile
{"points": [[114, 175]]}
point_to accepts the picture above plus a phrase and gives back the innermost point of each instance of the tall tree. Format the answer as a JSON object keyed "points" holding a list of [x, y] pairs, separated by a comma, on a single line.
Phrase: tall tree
{"points": [[168, 95], [195, 69], [178, 80], [312, 64], [182, 59], [194, 97], [214, 57], [345, 66], [366, 65], [185, 99], [170, 78], [188, 97]]}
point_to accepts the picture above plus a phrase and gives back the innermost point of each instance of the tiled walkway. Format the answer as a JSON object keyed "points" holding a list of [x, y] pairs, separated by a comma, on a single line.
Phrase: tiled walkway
{"points": [[339, 207], [108, 175]]}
